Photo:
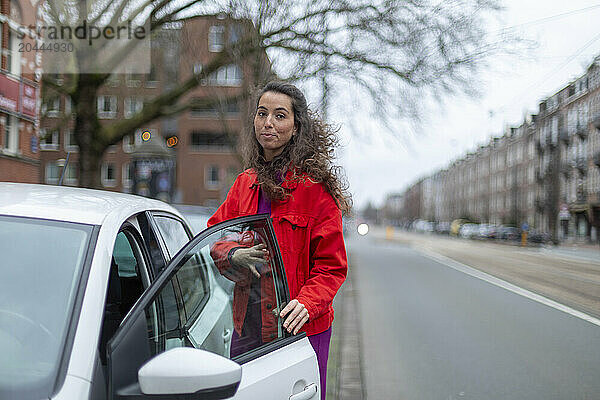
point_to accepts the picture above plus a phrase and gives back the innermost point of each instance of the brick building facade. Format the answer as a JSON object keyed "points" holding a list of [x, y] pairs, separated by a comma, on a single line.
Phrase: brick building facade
{"points": [[19, 95], [545, 172], [206, 160]]}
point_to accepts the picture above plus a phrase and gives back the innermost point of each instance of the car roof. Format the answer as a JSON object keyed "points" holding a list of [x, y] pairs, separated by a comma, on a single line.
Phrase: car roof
{"points": [[72, 204]]}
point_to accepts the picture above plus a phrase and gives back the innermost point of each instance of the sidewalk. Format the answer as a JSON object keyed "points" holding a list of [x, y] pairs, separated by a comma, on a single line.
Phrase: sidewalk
{"points": [[344, 375], [381, 232]]}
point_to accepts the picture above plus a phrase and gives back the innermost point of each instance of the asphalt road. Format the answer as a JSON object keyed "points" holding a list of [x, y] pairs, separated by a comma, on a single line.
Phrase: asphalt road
{"points": [[432, 332]]}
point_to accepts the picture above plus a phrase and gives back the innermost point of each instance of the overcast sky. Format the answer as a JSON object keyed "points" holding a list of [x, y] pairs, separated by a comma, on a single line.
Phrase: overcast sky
{"points": [[511, 89]]}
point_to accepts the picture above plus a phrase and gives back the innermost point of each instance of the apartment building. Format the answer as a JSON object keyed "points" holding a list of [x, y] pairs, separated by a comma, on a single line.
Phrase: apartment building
{"points": [[19, 94], [202, 139], [545, 172], [121, 97], [569, 123]]}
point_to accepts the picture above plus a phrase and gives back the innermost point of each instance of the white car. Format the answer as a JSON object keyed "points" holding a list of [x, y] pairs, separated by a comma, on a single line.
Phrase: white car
{"points": [[97, 301]]}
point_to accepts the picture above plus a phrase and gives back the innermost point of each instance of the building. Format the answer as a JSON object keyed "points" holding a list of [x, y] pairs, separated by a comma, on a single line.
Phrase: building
{"points": [[545, 172], [19, 95], [202, 139], [569, 123]]}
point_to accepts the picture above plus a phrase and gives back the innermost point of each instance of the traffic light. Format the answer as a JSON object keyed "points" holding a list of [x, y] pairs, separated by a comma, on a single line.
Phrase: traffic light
{"points": [[172, 141]]}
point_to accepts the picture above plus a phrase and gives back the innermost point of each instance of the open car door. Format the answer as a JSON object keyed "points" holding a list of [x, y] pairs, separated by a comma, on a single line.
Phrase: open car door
{"points": [[201, 300]]}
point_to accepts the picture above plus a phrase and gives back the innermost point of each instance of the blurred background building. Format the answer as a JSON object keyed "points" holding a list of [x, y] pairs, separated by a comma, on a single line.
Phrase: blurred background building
{"points": [[544, 173], [202, 139], [19, 96]]}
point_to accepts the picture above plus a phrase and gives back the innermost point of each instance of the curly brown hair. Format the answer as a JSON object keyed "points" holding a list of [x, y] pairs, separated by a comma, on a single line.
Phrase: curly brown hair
{"points": [[308, 153]]}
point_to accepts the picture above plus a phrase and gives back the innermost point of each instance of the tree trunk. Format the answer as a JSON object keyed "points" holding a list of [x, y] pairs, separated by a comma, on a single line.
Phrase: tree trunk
{"points": [[87, 133]]}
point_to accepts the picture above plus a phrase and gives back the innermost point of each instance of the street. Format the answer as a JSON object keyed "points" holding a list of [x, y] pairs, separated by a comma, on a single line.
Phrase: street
{"points": [[429, 331]]}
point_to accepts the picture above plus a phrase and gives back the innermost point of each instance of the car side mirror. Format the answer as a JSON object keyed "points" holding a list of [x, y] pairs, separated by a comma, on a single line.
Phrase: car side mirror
{"points": [[190, 373]]}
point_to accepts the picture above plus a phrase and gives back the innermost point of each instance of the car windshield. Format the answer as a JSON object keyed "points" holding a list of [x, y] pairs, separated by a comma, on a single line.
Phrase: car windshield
{"points": [[41, 265]]}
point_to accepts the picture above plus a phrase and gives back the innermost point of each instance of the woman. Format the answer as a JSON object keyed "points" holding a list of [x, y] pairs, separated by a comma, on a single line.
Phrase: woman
{"points": [[290, 176]]}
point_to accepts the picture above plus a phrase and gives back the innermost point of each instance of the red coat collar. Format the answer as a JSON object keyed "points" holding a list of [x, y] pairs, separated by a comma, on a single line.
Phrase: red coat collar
{"points": [[288, 183]]}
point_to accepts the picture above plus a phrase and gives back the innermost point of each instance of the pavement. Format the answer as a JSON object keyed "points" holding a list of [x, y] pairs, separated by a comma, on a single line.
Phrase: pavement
{"points": [[344, 372]]}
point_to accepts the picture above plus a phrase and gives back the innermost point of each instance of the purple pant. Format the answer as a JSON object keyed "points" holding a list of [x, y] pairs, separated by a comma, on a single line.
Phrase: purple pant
{"points": [[320, 343]]}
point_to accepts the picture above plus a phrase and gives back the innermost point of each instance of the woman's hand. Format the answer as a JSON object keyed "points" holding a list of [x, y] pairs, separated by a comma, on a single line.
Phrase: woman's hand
{"points": [[247, 257], [298, 316]]}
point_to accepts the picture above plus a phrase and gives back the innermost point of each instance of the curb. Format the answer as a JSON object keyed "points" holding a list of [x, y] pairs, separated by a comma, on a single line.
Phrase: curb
{"points": [[346, 371]]}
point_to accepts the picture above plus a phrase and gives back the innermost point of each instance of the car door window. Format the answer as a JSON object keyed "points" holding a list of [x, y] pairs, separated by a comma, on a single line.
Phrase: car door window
{"points": [[192, 277], [150, 239], [173, 233], [241, 324], [231, 323]]}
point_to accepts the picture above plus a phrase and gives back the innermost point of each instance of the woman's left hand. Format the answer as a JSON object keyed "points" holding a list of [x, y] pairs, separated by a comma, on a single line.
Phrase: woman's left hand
{"points": [[298, 316]]}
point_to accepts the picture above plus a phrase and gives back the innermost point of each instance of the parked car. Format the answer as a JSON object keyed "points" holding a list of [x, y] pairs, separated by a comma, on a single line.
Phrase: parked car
{"points": [[469, 231], [109, 296], [487, 231], [535, 236], [443, 228], [508, 233], [423, 226], [456, 225]]}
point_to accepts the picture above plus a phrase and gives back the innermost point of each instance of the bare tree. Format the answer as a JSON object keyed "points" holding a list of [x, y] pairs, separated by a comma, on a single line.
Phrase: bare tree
{"points": [[392, 51]]}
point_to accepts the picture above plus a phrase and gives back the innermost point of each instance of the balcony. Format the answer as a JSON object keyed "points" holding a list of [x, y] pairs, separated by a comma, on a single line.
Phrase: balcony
{"points": [[581, 197], [563, 135]]}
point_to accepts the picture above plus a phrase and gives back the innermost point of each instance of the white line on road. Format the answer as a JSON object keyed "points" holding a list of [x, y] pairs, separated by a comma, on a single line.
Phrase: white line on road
{"points": [[505, 285]]}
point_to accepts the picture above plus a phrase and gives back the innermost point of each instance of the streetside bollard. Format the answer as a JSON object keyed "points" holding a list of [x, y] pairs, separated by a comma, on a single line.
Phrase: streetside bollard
{"points": [[523, 238]]}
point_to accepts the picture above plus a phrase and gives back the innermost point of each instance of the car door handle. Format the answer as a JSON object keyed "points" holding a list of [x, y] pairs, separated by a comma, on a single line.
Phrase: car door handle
{"points": [[306, 394], [226, 335]]}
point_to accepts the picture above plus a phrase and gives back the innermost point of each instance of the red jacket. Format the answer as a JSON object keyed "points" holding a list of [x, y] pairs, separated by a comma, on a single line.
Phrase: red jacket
{"points": [[308, 227]]}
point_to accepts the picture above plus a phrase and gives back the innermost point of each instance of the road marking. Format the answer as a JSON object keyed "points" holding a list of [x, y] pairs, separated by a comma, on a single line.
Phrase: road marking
{"points": [[505, 285]]}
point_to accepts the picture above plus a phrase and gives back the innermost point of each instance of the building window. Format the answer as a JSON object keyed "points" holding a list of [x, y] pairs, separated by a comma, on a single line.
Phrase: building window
{"points": [[133, 105], [49, 139], [67, 106], [127, 175], [108, 174], [216, 38], [52, 173], [132, 78], [214, 110], [70, 141], [152, 78], [11, 135], [13, 56], [51, 107], [71, 174], [107, 107], [209, 141], [197, 68], [211, 177], [130, 141], [227, 75], [235, 33]]}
